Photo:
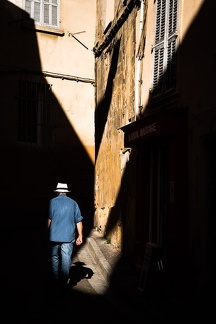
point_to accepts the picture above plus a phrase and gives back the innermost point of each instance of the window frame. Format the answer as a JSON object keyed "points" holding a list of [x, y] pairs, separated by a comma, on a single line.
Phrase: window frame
{"points": [[37, 10]]}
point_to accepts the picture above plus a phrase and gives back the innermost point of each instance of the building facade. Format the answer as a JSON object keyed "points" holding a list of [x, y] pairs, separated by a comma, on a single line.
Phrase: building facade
{"points": [[47, 105], [155, 134]]}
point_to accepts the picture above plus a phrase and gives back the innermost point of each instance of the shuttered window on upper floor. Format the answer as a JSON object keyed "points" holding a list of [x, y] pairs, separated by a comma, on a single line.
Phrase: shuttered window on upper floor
{"points": [[164, 49], [44, 12]]}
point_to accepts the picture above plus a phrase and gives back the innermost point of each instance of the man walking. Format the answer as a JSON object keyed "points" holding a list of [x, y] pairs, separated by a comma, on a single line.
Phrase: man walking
{"points": [[64, 222]]}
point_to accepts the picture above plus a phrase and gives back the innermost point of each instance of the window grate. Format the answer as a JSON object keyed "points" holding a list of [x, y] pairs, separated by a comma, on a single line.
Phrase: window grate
{"points": [[35, 115]]}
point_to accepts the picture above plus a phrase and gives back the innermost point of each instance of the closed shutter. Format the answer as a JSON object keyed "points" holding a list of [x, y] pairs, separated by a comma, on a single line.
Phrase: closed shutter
{"points": [[165, 46], [172, 45], [44, 12], [37, 11], [54, 20]]}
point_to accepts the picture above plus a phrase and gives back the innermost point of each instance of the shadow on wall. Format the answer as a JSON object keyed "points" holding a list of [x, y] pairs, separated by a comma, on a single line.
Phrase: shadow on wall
{"points": [[103, 107], [30, 171], [194, 76]]}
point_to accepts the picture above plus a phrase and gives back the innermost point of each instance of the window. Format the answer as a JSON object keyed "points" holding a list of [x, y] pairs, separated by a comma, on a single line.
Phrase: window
{"points": [[164, 73], [44, 12], [35, 115]]}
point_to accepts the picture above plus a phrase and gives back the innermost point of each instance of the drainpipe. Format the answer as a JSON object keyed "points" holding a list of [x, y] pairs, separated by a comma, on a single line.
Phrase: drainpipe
{"points": [[14, 70], [138, 62]]}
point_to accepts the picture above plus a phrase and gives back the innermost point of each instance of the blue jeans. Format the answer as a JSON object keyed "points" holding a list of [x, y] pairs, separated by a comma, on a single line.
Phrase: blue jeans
{"points": [[61, 258]]}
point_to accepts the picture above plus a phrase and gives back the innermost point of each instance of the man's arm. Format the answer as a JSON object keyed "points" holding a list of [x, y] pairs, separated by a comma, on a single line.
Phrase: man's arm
{"points": [[79, 239], [46, 229]]}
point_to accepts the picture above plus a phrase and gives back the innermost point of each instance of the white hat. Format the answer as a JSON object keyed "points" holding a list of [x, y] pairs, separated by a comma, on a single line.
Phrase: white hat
{"points": [[62, 187]]}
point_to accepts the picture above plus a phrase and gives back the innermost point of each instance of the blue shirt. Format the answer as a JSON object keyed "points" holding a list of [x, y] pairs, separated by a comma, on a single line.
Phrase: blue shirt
{"points": [[64, 213]]}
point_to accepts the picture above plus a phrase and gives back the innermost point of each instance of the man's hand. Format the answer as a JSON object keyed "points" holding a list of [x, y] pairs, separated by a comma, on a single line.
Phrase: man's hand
{"points": [[79, 240]]}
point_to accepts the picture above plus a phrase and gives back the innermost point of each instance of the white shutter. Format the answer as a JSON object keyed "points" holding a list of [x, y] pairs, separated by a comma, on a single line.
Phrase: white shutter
{"points": [[158, 70], [160, 21], [28, 6], [44, 12], [54, 20], [37, 11], [159, 48], [164, 70]]}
